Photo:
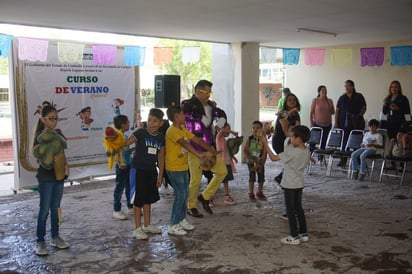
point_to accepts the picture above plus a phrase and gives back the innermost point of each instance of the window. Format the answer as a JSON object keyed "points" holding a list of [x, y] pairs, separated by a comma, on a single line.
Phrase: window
{"points": [[4, 101], [4, 95]]}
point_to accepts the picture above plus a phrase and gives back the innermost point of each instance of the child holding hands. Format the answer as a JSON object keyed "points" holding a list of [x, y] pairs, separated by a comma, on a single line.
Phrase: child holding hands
{"points": [[177, 167], [296, 157]]}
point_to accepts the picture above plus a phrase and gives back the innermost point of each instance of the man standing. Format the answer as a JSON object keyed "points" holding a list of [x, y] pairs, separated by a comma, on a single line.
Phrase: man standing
{"points": [[200, 114], [349, 110]]}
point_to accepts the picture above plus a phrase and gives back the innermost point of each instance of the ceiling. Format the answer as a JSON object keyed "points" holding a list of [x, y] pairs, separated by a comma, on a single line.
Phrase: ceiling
{"points": [[270, 22]]}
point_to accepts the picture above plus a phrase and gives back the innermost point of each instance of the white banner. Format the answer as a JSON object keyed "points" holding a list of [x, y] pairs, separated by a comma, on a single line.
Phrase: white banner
{"points": [[86, 96]]}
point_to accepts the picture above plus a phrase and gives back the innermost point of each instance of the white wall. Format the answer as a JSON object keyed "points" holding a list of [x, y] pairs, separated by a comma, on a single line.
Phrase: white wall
{"points": [[246, 85], [222, 78], [372, 82]]}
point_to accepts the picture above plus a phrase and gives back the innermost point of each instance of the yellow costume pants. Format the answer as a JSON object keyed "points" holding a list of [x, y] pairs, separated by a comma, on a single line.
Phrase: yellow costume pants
{"points": [[219, 170]]}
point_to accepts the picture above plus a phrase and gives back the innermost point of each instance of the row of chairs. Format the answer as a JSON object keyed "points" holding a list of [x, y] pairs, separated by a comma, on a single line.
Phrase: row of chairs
{"points": [[334, 150]]}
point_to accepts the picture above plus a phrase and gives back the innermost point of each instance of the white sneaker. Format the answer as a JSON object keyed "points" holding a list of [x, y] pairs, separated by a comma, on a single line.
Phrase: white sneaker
{"points": [[140, 234], [119, 215], [176, 230], [59, 243], [284, 217], [303, 237], [151, 229], [41, 249], [289, 240], [130, 211], [186, 226]]}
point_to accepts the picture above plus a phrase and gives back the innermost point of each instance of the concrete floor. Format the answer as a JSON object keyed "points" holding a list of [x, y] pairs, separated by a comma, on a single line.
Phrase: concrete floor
{"points": [[354, 227]]}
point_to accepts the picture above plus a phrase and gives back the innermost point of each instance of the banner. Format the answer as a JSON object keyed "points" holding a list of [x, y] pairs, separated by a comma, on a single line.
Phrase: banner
{"points": [[401, 56], [86, 96], [372, 56], [315, 56], [291, 56], [341, 57]]}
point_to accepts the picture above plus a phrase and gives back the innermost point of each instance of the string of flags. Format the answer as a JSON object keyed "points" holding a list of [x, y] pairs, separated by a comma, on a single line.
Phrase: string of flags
{"points": [[37, 49], [399, 56]]}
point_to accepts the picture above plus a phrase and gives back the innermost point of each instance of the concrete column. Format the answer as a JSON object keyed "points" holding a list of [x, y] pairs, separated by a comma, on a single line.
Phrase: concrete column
{"points": [[235, 70]]}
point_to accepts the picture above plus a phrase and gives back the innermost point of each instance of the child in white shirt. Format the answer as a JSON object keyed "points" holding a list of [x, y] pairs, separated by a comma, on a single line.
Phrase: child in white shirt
{"points": [[371, 143]]}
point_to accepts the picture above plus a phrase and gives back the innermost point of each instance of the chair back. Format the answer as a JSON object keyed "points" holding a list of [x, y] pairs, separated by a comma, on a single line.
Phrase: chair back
{"points": [[385, 140], [335, 139], [354, 140], [315, 139]]}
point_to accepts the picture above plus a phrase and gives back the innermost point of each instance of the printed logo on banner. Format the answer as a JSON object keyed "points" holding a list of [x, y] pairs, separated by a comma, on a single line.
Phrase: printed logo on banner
{"points": [[87, 96]]}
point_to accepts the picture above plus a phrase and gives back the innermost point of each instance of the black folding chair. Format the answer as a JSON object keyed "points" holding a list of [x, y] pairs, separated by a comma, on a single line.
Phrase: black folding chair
{"points": [[314, 142], [333, 143], [354, 142], [403, 163], [402, 160]]}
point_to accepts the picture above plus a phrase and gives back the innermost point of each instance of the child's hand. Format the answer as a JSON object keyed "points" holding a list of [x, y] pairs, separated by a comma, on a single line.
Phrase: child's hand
{"points": [[159, 182], [66, 171], [293, 110], [312, 160], [264, 141]]}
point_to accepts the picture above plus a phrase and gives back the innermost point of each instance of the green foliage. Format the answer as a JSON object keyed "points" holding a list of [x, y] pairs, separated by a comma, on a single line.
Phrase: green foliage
{"points": [[148, 97], [190, 73], [4, 66]]}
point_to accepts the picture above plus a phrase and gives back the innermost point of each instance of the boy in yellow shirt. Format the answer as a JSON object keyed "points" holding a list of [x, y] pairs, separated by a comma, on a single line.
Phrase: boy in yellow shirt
{"points": [[177, 168]]}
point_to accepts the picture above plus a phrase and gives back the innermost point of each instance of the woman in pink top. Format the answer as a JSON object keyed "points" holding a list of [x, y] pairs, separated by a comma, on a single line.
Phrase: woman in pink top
{"points": [[321, 112]]}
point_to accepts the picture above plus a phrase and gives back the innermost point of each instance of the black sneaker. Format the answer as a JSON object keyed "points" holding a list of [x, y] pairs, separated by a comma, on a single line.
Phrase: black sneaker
{"points": [[194, 213], [362, 176], [355, 175], [205, 204]]}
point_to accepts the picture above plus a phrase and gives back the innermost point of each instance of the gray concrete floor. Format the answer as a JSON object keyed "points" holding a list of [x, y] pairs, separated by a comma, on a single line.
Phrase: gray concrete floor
{"points": [[354, 227]]}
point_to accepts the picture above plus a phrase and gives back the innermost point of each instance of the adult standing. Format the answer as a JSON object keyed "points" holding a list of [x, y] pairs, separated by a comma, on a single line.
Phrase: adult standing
{"points": [[350, 108], [287, 116], [321, 112], [281, 102], [395, 106], [200, 113]]}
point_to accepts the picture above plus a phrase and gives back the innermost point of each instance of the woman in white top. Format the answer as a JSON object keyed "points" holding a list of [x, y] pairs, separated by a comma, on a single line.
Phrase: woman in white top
{"points": [[321, 112]]}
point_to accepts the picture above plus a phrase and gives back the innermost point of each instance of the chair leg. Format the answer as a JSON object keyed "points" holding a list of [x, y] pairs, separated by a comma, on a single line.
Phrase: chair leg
{"points": [[403, 172], [371, 173], [382, 167], [329, 168], [309, 171], [350, 171]]}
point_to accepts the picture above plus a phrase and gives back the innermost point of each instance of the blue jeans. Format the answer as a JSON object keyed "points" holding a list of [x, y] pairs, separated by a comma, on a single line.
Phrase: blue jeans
{"points": [[296, 215], [179, 180], [359, 158], [122, 182], [50, 197]]}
